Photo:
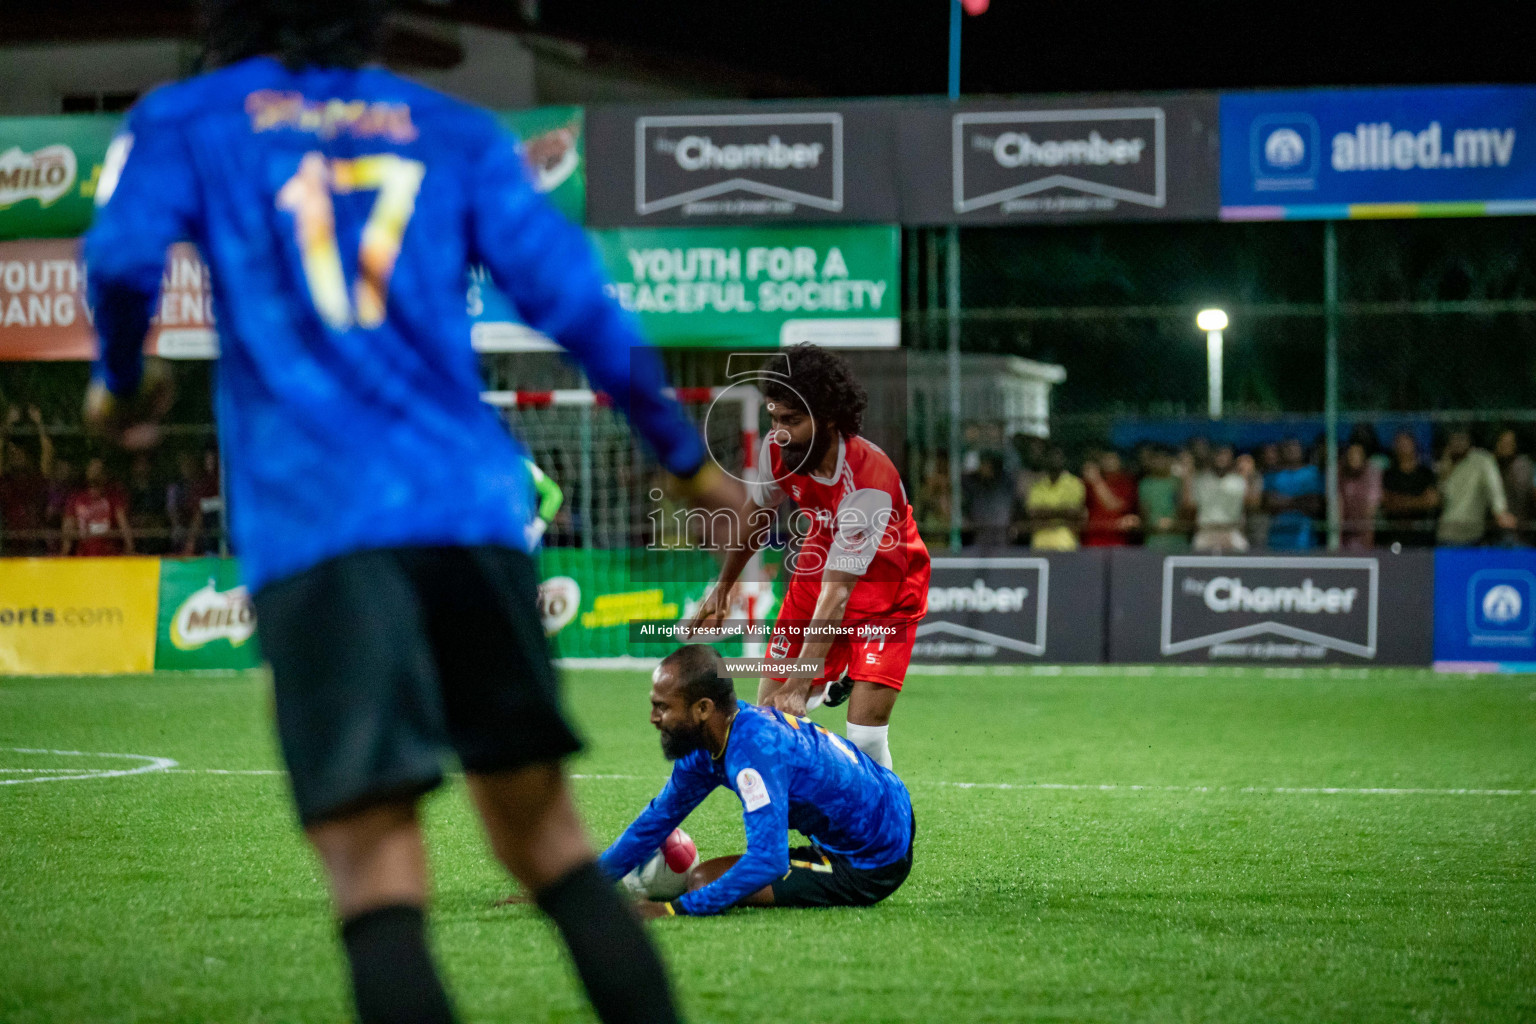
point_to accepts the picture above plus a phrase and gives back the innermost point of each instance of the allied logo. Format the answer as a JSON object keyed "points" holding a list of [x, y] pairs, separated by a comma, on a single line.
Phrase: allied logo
{"points": [[1500, 609], [211, 614], [45, 174], [742, 164], [1284, 152], [1284, 148], [1270, 608], [985, 609], [559, 601], [1060, 161]]}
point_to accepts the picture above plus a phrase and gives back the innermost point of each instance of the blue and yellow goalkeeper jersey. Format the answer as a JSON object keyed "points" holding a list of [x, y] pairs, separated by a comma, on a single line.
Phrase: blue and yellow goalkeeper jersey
{"points": [[339, 212], [789, 773]]}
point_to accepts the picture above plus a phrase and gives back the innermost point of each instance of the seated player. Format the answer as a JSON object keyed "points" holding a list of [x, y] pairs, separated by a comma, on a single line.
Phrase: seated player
{"points": [[789, 773]]}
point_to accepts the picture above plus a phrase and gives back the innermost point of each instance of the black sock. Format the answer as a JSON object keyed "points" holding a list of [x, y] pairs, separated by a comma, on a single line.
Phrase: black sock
{"points": [[393, 979], [618, 965]]}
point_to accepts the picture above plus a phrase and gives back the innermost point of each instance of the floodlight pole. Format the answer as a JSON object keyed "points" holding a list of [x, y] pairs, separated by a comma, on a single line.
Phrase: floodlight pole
{"points": [[952, 307], [1213, 357], [1331, 384]]}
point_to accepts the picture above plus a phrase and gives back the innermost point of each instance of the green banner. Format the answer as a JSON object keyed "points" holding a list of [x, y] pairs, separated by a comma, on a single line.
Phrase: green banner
{"points": [[49, 167], [555, 147], [759, 287], [588, 597], [206, 620]]}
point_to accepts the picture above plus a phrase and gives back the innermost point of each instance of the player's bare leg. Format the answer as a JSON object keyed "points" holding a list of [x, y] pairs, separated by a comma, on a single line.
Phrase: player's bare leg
{"points": [[377, 866], [374, 858], [869, 719], [707, 872], [535, 831]]}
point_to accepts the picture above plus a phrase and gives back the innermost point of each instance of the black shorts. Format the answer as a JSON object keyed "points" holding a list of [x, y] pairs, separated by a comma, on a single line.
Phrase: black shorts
{"points": [[384, 661], [818, 878]]}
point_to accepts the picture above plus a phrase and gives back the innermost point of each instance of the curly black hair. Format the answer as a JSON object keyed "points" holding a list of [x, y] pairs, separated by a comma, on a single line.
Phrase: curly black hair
{"points": [[325, 33], [824, 380]]}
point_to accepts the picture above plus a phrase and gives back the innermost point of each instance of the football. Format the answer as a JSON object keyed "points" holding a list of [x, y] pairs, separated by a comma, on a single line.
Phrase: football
{"points": [[665, 875]]}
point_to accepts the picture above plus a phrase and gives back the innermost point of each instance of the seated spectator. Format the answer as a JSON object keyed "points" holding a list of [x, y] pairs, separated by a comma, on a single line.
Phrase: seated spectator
{"points": [[1111, 500], [1057, 506], [96, 517], [147, 507], [1473, 490], [207, 525], [24, 487], [987, 498], [1293, 494], [1519, 476], [1159, 498], [1410, 498], [1359, 497], [1220, 497], [62, 485]]}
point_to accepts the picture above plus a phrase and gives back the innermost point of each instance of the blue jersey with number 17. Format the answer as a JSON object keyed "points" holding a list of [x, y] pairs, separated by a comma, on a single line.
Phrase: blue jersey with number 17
{"points": [[339, 211]]}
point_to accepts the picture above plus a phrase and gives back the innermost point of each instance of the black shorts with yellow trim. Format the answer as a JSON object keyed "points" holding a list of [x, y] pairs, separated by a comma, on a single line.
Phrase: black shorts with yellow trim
{"points": [[819, 878]]}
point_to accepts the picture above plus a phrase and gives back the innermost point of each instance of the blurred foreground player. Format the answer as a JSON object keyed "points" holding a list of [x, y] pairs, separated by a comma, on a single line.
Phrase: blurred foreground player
{"points": [[380, 509], [860, 563], [789, 773]]}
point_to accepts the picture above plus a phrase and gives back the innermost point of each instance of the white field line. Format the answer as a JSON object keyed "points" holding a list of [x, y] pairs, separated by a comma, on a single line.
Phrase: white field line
{"points": [[1110, 787], [151, 764], [167, 766]]}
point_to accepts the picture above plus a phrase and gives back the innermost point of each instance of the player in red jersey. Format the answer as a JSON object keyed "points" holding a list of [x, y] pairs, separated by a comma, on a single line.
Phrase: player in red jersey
{"points": [[860, 567]]}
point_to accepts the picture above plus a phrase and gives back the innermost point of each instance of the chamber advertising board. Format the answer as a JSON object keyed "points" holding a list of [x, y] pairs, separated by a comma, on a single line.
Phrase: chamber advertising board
{"points": [[1335, 154], [206, 620], [1485, 610], [1284, 609], [992, 608], [1057, 159], [736, 163]]}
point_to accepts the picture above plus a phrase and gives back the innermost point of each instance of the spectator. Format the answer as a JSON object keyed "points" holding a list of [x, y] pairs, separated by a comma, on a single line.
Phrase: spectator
{"points": [[1268, 461], [1516, 471], [1031, 453], [988, 501], [207, 525], [1473, 489], [1159, 498], [24, 487], [1293, 495], [147, 512], [96, 517], [933, 501], [1111, 502], [1057, 506], [1221, 497], [62, 485], [1409, 498], [1359, 497], [180, 502]]}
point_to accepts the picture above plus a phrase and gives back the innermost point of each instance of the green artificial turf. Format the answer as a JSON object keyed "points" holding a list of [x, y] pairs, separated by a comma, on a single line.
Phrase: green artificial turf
{"points": [[1204, 895]]}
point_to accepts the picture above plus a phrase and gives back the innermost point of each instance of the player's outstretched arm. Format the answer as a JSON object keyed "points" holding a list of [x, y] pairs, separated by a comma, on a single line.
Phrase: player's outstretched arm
{"points": [[684, 791], [716, 606], [147, 199], [831, 606], [762, 782]]}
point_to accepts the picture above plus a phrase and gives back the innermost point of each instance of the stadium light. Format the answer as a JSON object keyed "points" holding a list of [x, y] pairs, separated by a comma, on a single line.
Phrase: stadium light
{"points": [[1213, 322]]}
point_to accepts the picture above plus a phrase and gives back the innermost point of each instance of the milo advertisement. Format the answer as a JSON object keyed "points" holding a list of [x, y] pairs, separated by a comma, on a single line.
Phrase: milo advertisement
{"points": [[49, 167], [555, 152], [206, 620]]}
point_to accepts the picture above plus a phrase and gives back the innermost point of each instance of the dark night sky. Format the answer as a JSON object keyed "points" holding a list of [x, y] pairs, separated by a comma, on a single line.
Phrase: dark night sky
{"points": [[899, 47]]}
